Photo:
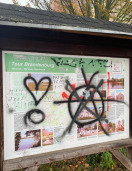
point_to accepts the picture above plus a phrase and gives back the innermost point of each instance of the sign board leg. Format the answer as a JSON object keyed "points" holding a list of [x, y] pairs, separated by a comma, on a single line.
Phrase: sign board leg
{"points": [[123, 159], [1, 117], [129, 153]]}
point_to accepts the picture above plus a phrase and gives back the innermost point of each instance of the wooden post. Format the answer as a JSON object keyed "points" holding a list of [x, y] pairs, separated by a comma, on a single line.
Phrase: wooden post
{"points": [[129, 153], [1, 116], [123, 159]]}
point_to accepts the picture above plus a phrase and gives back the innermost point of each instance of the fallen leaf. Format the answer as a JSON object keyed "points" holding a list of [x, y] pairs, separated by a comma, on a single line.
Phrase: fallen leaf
{"points": [[86, 165]]}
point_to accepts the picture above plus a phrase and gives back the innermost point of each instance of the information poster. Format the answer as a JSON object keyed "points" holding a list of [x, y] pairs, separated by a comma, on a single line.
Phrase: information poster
{"points": [[54, 102]]}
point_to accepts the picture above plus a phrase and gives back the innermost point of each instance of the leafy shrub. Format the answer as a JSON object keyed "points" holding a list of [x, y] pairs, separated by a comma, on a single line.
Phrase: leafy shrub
{"points": [[106, 161], [93, 160], [101, 161]]}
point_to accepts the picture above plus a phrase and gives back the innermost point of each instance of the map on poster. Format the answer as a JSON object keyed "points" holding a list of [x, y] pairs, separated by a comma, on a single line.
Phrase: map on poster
{"points": [[54, 102]]}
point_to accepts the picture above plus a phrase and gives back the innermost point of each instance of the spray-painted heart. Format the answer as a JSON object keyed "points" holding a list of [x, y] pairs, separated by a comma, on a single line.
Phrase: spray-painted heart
{"points": [[36, 87]]}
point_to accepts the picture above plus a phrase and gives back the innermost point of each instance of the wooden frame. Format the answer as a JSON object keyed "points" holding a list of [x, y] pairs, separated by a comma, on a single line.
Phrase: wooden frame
{"points": [[25, 162], [35, 40], [1, 118]]}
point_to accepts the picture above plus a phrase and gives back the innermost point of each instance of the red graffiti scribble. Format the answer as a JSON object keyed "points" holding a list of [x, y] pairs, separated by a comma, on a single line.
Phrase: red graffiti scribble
{"points": [[74, 85], [87, 82], [65, 95], [108, 82], [108, 73]]}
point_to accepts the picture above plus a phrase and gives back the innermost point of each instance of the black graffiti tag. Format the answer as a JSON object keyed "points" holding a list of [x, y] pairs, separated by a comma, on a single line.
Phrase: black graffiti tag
{"points": [[84, 101], [29, 113], [37, 87]]}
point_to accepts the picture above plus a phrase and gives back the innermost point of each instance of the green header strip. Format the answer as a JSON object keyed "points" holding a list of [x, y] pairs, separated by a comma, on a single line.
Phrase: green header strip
{"points": [[51, 64]]}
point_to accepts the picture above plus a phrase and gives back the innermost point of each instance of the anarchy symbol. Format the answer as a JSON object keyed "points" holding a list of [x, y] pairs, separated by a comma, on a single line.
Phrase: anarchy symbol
{"points": [[84, 101]]}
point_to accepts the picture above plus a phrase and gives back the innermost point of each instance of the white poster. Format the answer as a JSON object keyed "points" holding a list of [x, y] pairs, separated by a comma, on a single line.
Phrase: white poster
{"points": [[53, 102]]}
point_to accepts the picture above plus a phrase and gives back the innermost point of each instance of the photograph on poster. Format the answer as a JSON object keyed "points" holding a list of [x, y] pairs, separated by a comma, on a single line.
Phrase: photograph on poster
{"points": [[89, 130], [116, 82], [27, 139], [111, 95], [44, 83], [120, 95], [84, 115], [100, 108], [103, 93], [47, 136], [109, 127], [120, 125]]}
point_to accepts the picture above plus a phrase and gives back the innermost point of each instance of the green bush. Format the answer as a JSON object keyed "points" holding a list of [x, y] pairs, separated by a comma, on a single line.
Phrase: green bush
{"points": [[93, 160], [101, 161], [106, 161]]}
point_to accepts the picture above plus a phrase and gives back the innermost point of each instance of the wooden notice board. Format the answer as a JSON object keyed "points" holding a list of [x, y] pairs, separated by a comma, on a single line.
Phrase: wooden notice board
{"points": [[61, 106]]}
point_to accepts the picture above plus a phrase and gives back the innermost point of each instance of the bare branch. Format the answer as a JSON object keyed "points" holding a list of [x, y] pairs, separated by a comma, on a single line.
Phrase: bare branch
{"points": [[114, 10], [81, 8]]}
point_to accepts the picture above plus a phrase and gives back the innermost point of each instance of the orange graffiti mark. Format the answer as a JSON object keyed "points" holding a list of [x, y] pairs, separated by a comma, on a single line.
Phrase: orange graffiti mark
{"points": [[65, 95]]}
